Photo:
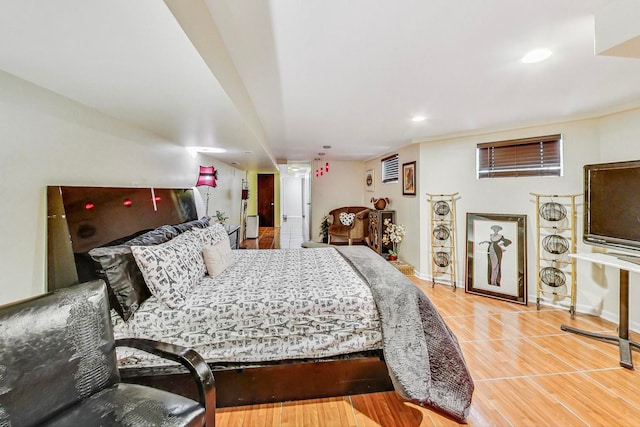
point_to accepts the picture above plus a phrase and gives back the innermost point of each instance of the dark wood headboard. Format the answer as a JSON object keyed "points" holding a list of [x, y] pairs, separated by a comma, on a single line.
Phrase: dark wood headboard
{"points": [[83, 218]]}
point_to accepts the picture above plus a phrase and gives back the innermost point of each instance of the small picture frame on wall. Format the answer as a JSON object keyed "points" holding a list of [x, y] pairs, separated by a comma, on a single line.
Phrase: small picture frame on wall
{"points": [[370, 180], [409, 179], [496, 264]]}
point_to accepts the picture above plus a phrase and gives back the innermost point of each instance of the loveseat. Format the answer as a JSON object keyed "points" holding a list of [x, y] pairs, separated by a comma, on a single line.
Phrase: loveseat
{"points": [[350, 223]]}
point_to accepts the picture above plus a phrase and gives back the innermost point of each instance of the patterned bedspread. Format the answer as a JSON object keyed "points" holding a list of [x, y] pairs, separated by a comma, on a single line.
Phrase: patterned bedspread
{"points": [[272, 305], [268, 305]]}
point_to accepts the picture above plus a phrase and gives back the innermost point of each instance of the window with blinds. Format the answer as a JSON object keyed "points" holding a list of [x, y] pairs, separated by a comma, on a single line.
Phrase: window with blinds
{"points": [[539, 156], [390, 170]]}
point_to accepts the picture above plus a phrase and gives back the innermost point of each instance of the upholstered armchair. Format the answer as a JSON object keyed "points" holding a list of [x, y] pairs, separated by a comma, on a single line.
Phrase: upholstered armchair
{"points": [[58, 367], [350, 223]]}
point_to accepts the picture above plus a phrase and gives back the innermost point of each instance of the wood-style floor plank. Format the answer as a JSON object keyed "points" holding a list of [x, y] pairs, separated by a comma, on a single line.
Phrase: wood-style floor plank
{"points": [[527, 371], [384, 409], [574, 391], [623, 382], [578, 352], [265, 415], [514, 398], [318, 412]]}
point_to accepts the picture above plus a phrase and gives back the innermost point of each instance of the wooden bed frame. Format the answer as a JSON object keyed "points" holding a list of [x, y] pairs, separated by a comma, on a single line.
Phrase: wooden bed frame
{"points": [[279, 382], [69, 217]]}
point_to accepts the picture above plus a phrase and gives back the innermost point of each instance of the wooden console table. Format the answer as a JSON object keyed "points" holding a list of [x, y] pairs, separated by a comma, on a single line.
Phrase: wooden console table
{"points": [[376, 230], [622, 339]]}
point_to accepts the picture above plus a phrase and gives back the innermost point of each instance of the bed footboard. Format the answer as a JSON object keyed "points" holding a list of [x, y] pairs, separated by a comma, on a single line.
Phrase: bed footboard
{"points": [[279, 382]]}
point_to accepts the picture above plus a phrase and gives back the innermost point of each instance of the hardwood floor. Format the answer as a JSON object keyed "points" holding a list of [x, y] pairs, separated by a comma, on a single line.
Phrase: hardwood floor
{"points": [[292, 233], [527, 372]]}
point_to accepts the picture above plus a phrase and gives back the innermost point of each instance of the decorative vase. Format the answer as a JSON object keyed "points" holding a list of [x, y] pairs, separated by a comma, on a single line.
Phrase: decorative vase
{"points": [[380, 204]]}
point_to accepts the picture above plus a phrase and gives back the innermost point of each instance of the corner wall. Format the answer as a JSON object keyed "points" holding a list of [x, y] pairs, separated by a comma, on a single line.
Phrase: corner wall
{"points": [[342, 186], [448, 166], [408, 208], [50, 140]]}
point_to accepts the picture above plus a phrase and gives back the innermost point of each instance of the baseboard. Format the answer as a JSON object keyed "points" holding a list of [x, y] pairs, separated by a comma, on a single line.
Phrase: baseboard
{"points": [[438, 281], [563, 305]]}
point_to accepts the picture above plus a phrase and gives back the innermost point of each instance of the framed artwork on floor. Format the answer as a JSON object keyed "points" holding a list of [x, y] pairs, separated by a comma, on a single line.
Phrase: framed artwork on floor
{"points": [[496, 262], [409, 179], [370, 180]]}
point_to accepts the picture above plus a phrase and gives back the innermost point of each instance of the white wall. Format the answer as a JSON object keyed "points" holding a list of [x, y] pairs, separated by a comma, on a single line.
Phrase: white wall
{"points": [[619, 136], [342, 186], [407, 207], [46, 139], [227, 196], [448, 166]]}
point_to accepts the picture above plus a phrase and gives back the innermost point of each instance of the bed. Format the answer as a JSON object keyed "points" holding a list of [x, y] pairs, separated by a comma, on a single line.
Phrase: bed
{"points": [[341, 318]]}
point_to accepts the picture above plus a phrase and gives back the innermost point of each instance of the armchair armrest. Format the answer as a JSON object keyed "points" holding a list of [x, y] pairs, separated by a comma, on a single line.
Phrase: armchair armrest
{"points": [[188, 358], [334, 215], [363, 214]]}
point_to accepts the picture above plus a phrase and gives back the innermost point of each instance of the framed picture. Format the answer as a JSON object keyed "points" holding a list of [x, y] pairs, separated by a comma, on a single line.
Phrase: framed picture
{"points": [[496, 264], [409, 179], [370, 180]]}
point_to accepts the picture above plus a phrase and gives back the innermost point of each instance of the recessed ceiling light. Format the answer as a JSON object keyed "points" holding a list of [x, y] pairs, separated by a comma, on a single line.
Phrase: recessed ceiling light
{"points": [[418, 118], [536, 55], [201, 149], [195, 149]]}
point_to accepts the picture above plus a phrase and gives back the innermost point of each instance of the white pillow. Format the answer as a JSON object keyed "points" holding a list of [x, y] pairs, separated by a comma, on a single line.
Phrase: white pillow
{"points": [[212, 234], [171, 269], [347, 218], [217, 257]]}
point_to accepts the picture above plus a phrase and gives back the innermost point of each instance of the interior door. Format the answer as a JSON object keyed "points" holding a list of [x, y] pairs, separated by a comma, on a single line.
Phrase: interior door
{"points": [[266, 195]]}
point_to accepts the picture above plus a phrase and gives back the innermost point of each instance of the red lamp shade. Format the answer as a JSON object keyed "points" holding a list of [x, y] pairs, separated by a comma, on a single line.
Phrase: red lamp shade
{"points": [[208, 175]]}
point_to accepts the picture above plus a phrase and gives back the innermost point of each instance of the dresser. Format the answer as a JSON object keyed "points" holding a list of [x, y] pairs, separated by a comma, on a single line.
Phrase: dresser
{"points": [[376, 229]]}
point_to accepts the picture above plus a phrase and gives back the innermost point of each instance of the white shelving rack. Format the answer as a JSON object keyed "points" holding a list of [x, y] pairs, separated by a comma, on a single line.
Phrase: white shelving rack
{"points": [[556, 217], [443, 237]]}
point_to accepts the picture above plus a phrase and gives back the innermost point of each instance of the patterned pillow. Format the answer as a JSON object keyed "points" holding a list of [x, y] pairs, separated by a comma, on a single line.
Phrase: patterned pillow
{"points": [[212, 234], [123, 277], [347, 218], [189, 225], [171, 269], [217, 258], [127, 288]]}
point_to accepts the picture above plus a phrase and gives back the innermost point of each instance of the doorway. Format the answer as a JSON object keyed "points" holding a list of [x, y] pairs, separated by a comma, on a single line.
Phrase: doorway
{"points": [[295, 195], [266, 194]]}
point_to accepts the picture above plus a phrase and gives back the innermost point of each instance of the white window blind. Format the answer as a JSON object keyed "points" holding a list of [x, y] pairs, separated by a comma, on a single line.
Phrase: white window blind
{"points": [[390, 170], [538, 156]]}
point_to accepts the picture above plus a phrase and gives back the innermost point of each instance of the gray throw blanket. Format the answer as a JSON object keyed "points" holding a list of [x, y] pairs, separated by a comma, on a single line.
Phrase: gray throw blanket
{"points": [[423, 356]]}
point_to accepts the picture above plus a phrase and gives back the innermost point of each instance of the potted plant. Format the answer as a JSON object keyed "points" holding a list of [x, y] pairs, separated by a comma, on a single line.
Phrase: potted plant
{"points": [[324, 229], [393, 234], [220, 217]]}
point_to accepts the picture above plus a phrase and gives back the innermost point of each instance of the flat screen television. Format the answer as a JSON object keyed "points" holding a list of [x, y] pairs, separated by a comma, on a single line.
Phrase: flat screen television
{"points": [[612, 206]]}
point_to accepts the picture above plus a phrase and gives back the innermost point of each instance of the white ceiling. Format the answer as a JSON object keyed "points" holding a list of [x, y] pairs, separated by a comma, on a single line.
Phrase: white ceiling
{"points": [[279, 79]]}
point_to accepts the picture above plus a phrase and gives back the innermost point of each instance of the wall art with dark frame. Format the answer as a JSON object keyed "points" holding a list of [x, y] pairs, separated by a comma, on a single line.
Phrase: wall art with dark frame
{"points": [[496, 262], [409, 179], [370, 180]]}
